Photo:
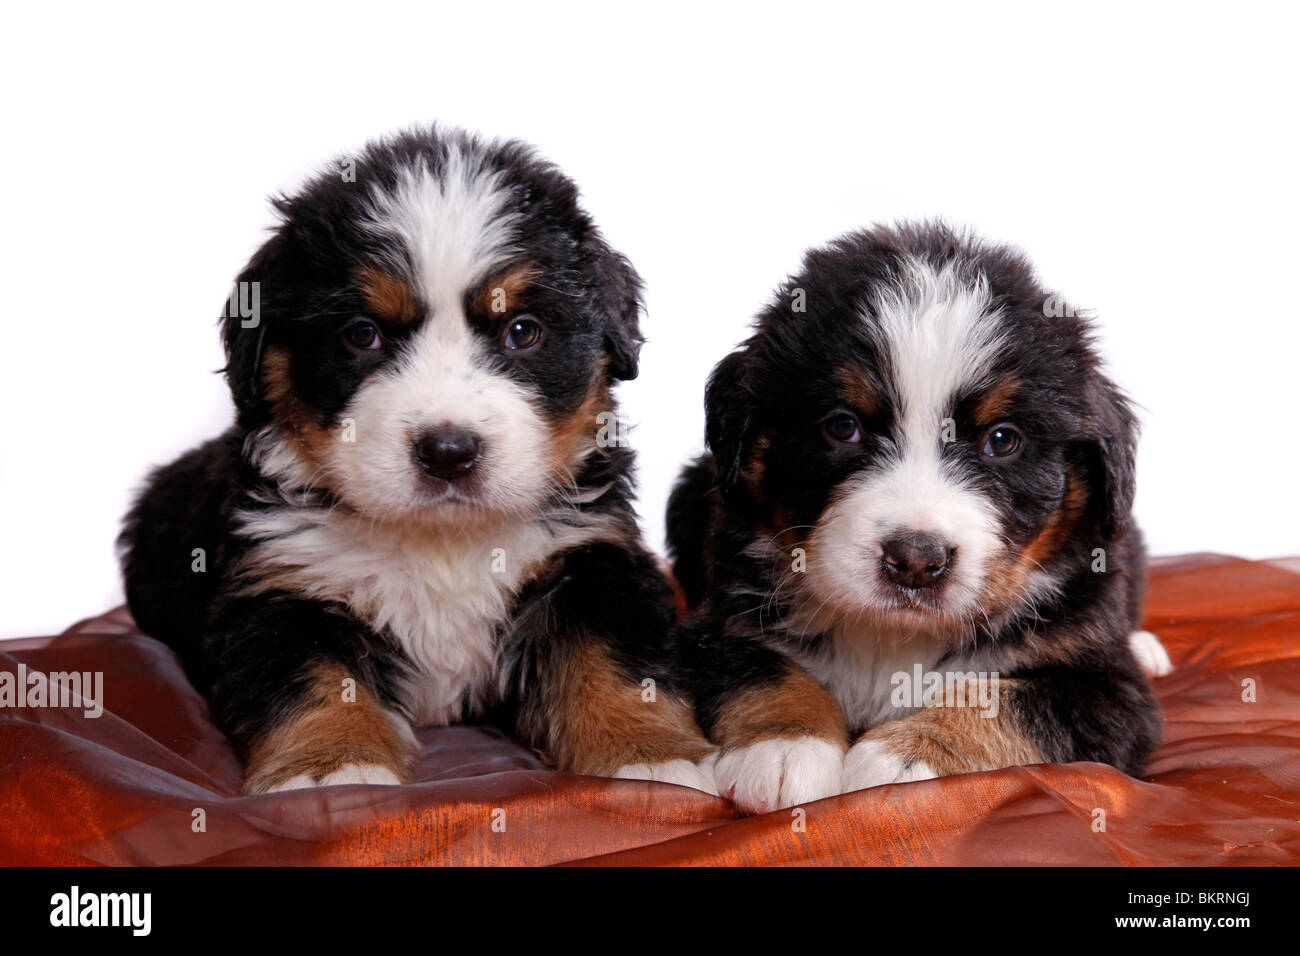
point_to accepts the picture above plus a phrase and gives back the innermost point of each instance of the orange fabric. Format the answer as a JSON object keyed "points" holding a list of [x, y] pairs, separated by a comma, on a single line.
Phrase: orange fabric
{"points": [[1224, 788]]}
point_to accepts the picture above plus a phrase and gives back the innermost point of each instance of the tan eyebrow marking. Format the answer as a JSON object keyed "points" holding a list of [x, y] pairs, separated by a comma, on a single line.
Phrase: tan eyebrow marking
{"points": [[388, 297], [503, 293], [861, 394], [996, 402]]}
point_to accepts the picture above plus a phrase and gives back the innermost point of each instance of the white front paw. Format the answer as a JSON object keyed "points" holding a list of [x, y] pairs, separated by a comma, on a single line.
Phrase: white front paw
{"points": [[684, 773], [870, 763], [779, 773], [1150, 653], [348, 773]]}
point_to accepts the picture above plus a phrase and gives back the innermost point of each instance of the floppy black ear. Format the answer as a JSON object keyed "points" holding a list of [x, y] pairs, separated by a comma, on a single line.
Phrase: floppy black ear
{"points": [[243, 336], [618, 292], [245, 322], [727, 416], [1113, 446]]}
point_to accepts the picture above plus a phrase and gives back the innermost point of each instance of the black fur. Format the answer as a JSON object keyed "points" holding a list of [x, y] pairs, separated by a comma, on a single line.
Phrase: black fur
{"points": [[251, 643], [1076, 690]]}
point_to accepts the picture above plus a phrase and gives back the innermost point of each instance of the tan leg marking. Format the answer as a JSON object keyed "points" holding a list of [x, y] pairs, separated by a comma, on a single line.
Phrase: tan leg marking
{"points": [[599, 720], [952, 739], [327, 733], [797, 706]]}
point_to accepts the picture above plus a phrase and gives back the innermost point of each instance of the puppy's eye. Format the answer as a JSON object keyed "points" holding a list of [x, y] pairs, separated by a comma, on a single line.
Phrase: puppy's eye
{"points": [[364, 335], [842, 428], [523, 333], [1002, 441]]}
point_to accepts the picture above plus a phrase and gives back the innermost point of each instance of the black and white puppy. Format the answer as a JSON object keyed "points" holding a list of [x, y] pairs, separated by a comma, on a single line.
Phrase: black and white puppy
{"points": [[910, 551], [422, 512]]}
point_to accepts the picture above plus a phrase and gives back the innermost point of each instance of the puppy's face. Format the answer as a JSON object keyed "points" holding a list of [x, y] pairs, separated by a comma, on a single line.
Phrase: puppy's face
{"points": [[436, 336], [941, 450]]}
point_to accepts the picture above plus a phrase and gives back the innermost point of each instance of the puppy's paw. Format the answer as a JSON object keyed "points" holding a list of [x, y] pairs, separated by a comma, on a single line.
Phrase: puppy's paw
{"points": [[684, 773], [1150, 653], [779, 773], [348, 773], [873, 763]]}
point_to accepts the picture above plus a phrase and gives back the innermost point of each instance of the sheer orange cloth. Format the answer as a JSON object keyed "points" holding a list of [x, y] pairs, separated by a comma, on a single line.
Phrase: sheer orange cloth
{"points": [[133, 785]]}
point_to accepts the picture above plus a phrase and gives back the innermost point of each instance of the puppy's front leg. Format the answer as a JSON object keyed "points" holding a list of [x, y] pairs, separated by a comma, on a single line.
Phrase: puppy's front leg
{"points": [[601, 691], [307, 695], [937, 742], [1058, 715], [782, 736]]}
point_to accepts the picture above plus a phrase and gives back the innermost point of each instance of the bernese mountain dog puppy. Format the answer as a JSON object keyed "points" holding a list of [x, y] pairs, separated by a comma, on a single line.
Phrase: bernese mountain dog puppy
{"points": [[423, 511], [909, 552]]}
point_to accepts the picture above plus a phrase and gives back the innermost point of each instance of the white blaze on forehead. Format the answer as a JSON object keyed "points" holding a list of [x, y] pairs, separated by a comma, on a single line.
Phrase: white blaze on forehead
{"points": [[454, 225], [937, 335]]}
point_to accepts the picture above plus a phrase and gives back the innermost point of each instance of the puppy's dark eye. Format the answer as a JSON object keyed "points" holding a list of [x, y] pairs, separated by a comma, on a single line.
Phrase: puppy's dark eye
{"points": [[1002, 441], [364, 335], [842, 428], [523, 333]]}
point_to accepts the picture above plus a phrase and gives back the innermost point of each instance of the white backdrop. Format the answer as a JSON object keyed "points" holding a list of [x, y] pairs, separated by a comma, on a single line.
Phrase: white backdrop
{"points": [[1145, 158]]}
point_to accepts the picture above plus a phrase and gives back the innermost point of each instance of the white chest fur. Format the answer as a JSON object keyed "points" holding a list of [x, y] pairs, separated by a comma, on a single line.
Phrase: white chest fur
{"points": [[878, 672], [860, 665], [442, 594]]}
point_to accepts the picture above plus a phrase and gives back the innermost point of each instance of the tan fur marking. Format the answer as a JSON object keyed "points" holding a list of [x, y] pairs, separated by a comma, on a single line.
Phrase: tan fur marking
{"points": [[299, 427], [388, 297], [599, 721], [859, 391], [795, 707], [996, 402], [953, 739], [1053, 537], [1007, 587], [326, 733], [503, 294], [572, 436], [776, 520]]}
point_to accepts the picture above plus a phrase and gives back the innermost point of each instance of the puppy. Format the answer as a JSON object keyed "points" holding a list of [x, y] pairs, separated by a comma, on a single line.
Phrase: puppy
{"points": [[422, 512], [912, 534]]}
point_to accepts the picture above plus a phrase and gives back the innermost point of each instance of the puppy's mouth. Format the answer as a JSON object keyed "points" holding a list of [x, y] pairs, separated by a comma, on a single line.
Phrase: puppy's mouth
{"points": [[434, 492], [915, 609], [924, 601]]}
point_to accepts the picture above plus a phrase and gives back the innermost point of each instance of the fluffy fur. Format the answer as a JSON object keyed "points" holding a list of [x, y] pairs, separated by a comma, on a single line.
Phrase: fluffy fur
{"points": [[917, 467], [415, 518]]}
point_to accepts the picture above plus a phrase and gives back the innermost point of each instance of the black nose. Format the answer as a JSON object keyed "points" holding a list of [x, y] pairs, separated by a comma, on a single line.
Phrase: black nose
{"points": [[915, 560], [448, 453]]}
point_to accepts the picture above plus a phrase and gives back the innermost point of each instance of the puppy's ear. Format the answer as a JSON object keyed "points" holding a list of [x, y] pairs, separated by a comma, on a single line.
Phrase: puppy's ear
{"points": [[1112, 456], [246, 326], [618, 292], [243, 336], [727, 416]]}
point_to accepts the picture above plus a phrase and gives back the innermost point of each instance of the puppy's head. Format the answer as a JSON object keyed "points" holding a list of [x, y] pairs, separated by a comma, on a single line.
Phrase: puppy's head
{"points": [[929, 425], [431, 331]]}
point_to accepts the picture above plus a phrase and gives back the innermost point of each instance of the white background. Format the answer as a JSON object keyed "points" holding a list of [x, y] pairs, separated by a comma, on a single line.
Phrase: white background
{"points": [[1145, 158]]}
